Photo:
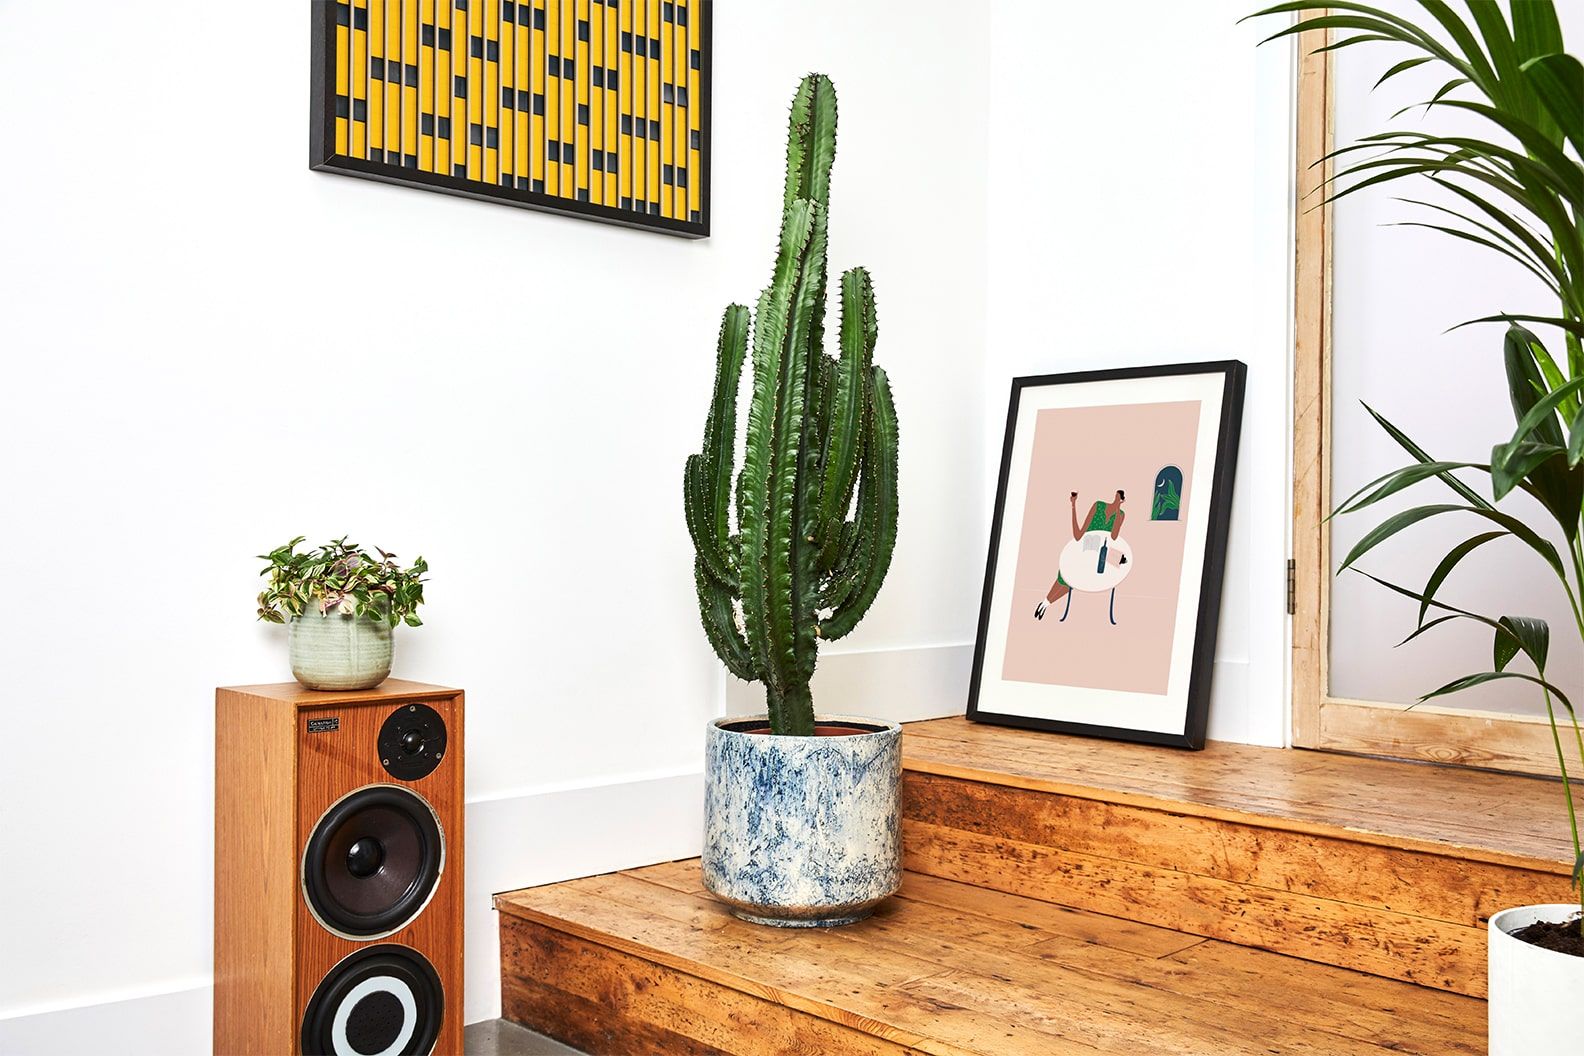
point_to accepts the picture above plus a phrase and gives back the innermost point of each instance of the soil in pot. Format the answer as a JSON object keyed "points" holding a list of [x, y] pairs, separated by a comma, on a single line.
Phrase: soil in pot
{"points": [[1560, 935], [823, 729]]}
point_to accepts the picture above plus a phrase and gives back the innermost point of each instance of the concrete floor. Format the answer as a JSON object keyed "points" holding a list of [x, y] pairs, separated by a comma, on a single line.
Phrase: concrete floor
{"points": [[499, 1037]]}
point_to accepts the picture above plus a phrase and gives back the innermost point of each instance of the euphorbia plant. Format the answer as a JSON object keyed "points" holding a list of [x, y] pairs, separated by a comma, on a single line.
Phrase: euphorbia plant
{"points": [[343, 578], [798, 563], [1520, 195]]}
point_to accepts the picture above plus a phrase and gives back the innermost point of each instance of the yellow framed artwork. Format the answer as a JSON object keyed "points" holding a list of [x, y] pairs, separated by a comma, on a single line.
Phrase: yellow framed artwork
{"points": [[590, 108]]}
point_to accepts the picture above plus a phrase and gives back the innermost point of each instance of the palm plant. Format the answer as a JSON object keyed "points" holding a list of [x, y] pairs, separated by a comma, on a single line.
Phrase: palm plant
{"points": [[1520, 195], [1167, 500]]}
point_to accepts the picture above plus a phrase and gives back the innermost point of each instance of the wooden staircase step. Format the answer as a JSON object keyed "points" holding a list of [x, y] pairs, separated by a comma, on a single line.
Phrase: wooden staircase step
{"points": [[1379, 866], [647, 961]]}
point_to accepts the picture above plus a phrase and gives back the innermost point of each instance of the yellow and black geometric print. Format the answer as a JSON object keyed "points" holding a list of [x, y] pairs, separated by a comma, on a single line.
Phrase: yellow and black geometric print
{"points": [[598, 108]]}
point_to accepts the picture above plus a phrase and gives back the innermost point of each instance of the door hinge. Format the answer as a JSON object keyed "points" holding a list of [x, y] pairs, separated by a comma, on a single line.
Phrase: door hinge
{"points": [[1292, 587]]}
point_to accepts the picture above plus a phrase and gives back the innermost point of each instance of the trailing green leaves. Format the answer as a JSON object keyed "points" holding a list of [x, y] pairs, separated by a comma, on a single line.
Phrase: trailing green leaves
{"points": [[340, 578]]}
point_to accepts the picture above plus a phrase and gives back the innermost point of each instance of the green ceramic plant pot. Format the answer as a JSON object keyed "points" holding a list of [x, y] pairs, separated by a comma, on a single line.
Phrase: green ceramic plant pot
{"points": [[337, 651]]}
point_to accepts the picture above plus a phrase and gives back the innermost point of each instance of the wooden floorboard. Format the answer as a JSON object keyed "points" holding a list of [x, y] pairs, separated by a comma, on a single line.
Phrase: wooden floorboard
{"points": [[647, 961], [1505, 819]]}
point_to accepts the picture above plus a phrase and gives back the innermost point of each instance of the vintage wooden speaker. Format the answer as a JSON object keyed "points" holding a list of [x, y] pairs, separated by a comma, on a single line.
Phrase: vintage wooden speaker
{"points": [[338, 870]]}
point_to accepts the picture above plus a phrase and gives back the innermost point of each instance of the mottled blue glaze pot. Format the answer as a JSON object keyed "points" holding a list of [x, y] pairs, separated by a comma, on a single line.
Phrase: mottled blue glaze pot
{"points": [[802, 832]]}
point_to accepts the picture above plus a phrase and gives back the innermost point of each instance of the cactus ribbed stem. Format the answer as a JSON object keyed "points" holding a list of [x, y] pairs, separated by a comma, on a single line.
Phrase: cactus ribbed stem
{"points": [[821, 432]]}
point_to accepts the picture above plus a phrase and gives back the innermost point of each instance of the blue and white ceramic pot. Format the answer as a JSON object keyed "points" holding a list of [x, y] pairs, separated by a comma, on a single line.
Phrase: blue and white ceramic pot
{"points": [[803, 832]]}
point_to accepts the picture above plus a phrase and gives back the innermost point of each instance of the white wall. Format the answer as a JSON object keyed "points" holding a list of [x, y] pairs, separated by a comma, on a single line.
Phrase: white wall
{"points": [[210, 349], [1140, 213]]}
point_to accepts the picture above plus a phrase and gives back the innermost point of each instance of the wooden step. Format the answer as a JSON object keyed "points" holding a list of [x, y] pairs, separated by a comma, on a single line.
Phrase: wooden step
{"points": [[647, 962], [1379, 866]]}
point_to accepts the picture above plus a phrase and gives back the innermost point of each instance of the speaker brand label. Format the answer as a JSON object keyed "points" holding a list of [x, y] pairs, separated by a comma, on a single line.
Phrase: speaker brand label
{"points": [[324, 725]]}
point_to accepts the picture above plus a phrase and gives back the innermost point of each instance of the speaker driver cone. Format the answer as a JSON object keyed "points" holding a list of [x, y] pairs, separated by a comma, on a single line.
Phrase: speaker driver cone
{"points": [[372, 861], [383, 1000]]}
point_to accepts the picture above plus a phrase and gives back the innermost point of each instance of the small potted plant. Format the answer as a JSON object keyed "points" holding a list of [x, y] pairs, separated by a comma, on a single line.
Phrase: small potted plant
{"points": [[802, 825], [1523, 197], [340, 605]]}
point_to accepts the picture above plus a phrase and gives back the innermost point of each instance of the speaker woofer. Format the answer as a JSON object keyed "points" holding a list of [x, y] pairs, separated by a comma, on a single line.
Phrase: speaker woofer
{"points": [[372, 861], [383, 1000]]}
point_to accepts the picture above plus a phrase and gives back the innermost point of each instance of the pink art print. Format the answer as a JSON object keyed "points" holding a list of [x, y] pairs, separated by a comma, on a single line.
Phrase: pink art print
{"points": [[1100, 559]]}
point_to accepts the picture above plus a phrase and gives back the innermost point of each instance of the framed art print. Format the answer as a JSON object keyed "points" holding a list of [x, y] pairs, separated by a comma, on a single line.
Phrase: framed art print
{"points": [[1107, 548], [593, 108]]}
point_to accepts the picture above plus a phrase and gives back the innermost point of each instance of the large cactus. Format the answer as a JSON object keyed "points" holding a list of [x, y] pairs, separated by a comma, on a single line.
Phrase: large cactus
{"points": [[820, 428]]}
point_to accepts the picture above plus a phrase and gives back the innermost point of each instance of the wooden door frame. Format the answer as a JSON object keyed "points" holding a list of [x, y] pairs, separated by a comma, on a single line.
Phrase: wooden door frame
{"points": [[1421, 732]]}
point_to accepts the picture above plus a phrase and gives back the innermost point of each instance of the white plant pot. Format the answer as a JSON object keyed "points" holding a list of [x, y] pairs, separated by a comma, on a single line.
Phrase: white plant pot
{"points": [[1536, 995], [336, 651], [802, 832]]}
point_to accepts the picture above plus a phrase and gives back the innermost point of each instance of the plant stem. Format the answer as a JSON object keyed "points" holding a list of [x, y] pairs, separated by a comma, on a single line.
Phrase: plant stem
{"points": [[791, 710], [1567, 787]]}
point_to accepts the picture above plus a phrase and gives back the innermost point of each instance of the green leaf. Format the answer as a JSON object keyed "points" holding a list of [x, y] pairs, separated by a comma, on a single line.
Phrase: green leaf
{"points": [[1375, 20], [1504, 648], [1575, 448], [1535, 29], [1559, 487], [1447, 564], [1573, 326], [1558, 80], [1505, 249], [1397, 480], [1401, 67], [1470, 681], [1419, 454], [1443, 606], [1423, 627], [1531, 634], [1396, 523], [1512, 464], [1350, 41]]}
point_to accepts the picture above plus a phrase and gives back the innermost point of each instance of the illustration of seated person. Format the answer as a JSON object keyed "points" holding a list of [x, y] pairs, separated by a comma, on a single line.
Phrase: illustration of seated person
{"points": [[1097, 559]]}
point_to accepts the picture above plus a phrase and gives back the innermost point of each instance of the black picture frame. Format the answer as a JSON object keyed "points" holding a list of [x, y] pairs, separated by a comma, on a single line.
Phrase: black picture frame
{"points": [[323, 158], [1197, 714]]}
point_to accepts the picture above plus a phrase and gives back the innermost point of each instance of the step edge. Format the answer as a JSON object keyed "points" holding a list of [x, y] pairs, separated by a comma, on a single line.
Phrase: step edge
{"points": [[1476, 956], [1251, 818], [721, 977]]}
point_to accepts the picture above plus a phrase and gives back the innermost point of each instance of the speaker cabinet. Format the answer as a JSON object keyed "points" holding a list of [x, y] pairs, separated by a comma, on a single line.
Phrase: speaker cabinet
{"points": [[338, 871]]}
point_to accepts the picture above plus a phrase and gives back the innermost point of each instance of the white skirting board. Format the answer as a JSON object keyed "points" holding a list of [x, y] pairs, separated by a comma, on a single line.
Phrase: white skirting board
{"points": [[174, 1021], [535, 837]]}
